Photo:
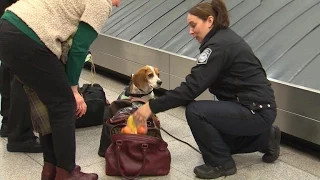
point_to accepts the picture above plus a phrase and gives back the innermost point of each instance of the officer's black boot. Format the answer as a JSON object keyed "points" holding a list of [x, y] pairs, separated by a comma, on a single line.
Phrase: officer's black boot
{"points": [[209, 172], [273, 151]]}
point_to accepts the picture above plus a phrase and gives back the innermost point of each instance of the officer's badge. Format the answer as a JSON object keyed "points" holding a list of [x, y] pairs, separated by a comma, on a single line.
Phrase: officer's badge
{"points": [[204, 56]]}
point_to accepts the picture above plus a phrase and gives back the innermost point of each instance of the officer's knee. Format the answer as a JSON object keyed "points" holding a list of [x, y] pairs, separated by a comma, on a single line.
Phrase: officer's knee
{"points": [[191, 112]]}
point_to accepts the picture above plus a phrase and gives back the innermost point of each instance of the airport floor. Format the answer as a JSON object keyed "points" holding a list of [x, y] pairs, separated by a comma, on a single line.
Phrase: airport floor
{"points": [[293, 164]]}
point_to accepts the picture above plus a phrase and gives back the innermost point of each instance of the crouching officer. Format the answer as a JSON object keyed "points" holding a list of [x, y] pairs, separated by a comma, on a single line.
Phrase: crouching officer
{"points": [[241, 121]]}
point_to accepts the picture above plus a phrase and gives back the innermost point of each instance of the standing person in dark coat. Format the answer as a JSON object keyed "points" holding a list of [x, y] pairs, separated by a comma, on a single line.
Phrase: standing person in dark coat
{"points": [[51, 84]]}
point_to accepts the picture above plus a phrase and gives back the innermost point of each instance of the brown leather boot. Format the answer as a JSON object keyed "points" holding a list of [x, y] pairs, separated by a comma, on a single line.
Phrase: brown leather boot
{"points": [[48, 171], [76, 174]]}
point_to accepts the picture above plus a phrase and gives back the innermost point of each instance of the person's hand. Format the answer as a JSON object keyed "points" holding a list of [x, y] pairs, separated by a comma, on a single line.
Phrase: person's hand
{"points": [[81, 104], [143, 113]]}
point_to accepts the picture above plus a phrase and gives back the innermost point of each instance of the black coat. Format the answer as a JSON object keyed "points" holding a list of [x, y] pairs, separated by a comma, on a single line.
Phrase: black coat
{"points": [[227, 67]]}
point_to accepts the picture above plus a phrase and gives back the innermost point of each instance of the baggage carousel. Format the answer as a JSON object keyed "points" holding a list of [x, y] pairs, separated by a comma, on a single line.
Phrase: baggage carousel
{"points": [[284, 34]]}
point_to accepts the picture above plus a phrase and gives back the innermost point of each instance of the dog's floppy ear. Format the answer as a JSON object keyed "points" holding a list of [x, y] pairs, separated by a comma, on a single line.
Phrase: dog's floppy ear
{"points": [[139, 78], [156, 70]]}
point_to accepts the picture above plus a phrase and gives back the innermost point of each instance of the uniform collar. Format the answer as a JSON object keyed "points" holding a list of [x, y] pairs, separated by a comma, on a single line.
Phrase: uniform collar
{"points": [[211, 33]]}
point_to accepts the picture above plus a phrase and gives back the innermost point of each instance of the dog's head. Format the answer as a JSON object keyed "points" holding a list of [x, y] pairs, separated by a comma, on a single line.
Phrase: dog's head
{"points": [[146, 78]]}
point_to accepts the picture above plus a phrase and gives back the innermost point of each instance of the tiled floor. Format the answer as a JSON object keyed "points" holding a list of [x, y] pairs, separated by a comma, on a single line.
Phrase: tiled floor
{"points": [[292, 164]]}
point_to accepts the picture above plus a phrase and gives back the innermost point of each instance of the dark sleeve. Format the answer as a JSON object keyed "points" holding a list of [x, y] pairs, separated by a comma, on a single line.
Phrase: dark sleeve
{"points": [[81, 42], [209, 66]]}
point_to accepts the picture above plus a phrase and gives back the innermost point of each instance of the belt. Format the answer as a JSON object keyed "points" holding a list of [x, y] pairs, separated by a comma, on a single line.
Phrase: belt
{"points": [[252, 106]]}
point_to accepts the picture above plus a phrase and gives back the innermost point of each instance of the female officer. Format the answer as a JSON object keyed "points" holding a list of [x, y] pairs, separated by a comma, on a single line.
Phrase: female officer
{"points": [[31, 36], [241, 121]]}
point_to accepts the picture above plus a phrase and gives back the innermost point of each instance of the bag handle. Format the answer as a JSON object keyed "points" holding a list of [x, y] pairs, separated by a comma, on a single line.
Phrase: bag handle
{"points": [[144, 148], [89, 58]]}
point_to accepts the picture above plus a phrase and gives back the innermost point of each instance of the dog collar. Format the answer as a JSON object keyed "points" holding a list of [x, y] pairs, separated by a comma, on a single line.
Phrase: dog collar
{"points": [[127, 92]]}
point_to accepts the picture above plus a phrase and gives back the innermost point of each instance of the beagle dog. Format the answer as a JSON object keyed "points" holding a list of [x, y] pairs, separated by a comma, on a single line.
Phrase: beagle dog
{"points": [[142, 83]]}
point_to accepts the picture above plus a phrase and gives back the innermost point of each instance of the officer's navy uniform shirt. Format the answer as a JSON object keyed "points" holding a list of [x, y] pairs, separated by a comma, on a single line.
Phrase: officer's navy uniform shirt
{"points": [[231, 71]]}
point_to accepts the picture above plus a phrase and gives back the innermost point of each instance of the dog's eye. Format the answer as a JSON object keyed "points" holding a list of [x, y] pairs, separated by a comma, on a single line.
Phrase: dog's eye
{"points": [[150, 75]]}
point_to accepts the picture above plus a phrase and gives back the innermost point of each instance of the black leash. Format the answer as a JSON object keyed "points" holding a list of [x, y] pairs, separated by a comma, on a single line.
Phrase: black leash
{"points": [[180, 140]]}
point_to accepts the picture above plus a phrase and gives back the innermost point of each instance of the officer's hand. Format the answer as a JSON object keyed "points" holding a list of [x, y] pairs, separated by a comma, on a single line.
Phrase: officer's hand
{"points": [[143, 113]]}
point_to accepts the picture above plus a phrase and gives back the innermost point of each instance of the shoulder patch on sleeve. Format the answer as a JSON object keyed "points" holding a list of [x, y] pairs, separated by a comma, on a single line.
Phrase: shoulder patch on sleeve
{"points": [[204, 56]]}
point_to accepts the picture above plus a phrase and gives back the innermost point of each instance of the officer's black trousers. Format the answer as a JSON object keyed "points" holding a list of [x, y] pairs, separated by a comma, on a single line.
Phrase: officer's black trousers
{"points": [[223, 128], [14, 107], [5, 80]]}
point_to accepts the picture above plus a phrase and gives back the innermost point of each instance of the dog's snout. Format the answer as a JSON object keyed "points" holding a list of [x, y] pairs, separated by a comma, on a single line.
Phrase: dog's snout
{"points": [[159, 82]]}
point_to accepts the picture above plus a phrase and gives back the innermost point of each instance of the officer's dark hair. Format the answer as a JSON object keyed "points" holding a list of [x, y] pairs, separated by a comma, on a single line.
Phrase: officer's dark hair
{"points": [[216, 8]]}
